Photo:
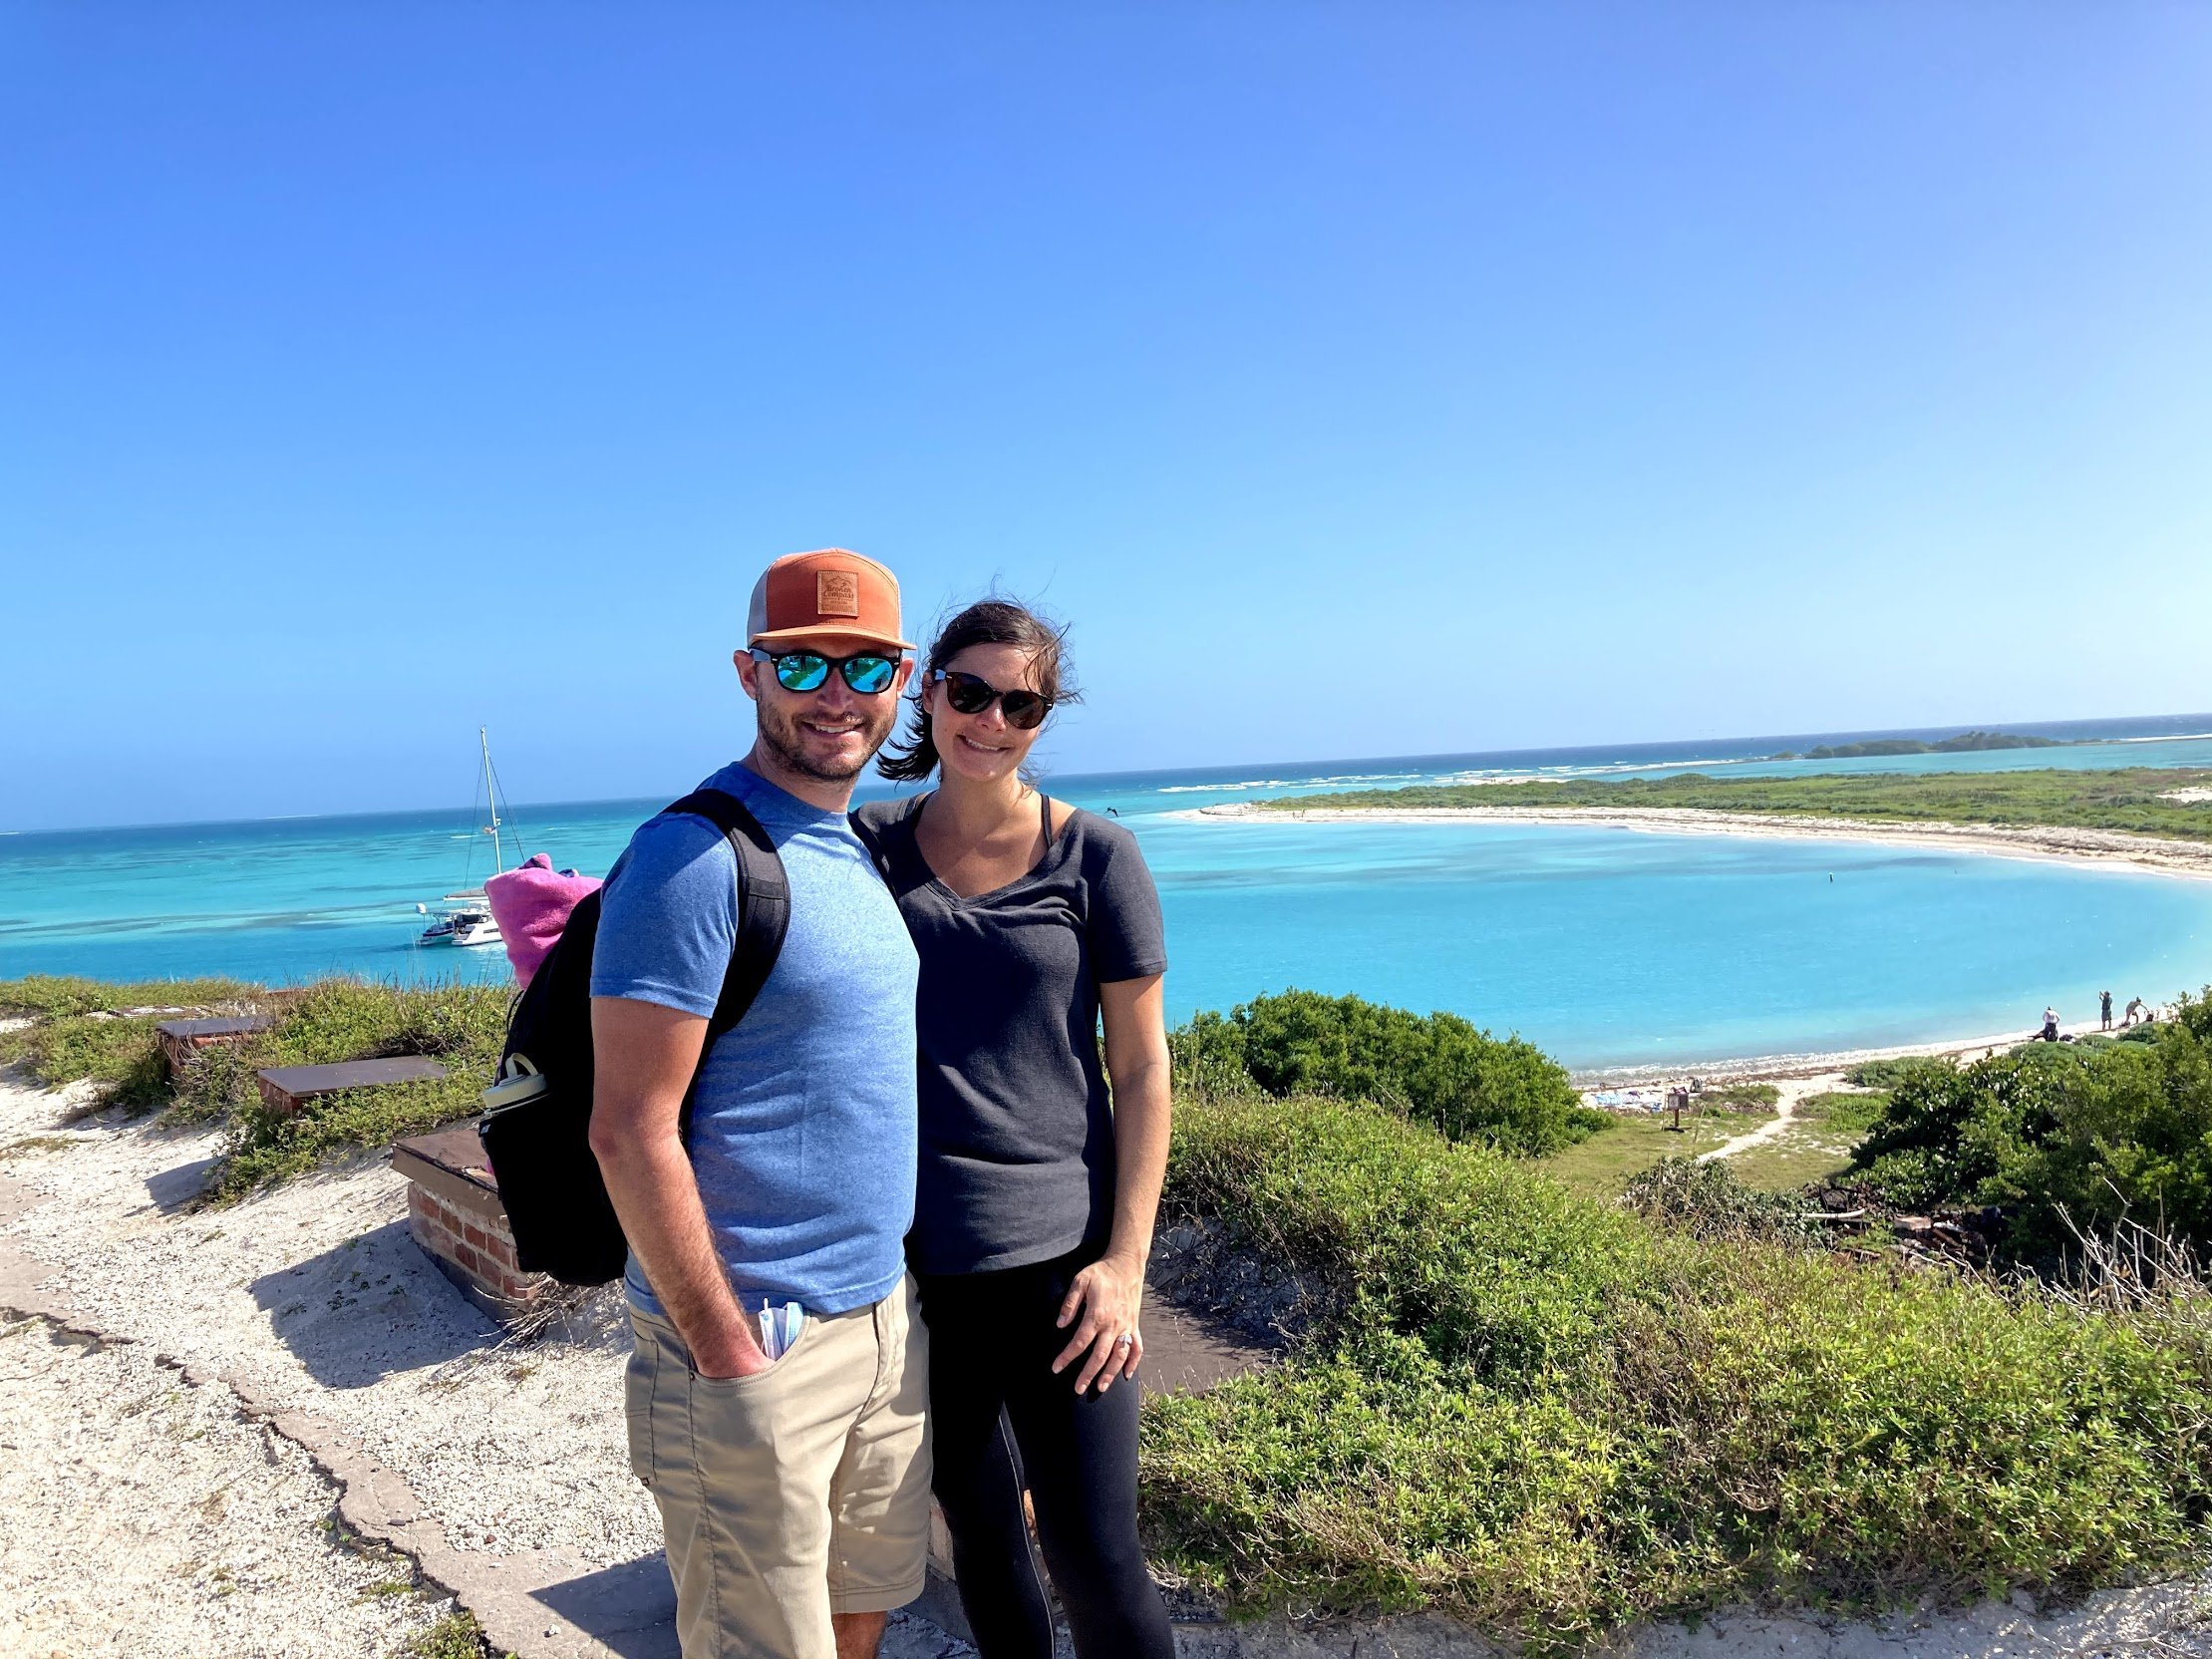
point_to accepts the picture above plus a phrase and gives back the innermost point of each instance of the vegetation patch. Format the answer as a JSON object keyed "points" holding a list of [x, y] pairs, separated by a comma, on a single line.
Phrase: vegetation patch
{"points": [[76, 1033], [458, 1635], [1817, 1145], [1603, 1164], [464, 1025], [28, 1145], [1437, 1068], [119, 1052], [1552, 1417], [2060, 1138], [2138, 801], [46, 996], [1738, 1097]]}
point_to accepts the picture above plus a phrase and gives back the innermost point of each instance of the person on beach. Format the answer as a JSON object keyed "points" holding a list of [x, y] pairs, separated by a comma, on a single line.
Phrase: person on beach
{"points": [[1038, 1185], [2105, 1009], [2050, 1032], [793, 1491]]}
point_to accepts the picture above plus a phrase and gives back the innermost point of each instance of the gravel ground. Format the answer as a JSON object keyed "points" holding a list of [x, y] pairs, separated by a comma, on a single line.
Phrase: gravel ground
{"points": [[314, 1297], [150, 1519], [316, 1305]]}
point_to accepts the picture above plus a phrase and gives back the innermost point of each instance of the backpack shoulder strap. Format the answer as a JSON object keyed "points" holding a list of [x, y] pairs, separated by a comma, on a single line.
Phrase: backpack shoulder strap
{"points": [[763, 904]]}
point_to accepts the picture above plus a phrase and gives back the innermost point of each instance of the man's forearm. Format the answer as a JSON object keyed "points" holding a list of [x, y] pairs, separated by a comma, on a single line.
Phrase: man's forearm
{"points": [[656, 1198]]}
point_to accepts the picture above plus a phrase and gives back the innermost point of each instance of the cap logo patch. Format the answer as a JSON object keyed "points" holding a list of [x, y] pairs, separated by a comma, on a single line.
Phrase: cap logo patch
{"points": [[836, 593]]}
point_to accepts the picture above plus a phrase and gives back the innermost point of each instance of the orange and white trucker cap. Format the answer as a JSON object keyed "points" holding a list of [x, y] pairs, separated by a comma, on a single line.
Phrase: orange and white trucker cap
{"points": [[831, 591]]}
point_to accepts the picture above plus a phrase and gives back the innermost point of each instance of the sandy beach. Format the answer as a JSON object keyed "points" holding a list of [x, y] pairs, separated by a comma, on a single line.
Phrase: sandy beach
{"points": [[2104, 848]]}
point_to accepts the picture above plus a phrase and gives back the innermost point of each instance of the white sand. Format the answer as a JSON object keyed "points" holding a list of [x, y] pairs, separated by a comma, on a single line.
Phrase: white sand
{"points": [[312, 1303], [2104, 848], [148, 1518]]}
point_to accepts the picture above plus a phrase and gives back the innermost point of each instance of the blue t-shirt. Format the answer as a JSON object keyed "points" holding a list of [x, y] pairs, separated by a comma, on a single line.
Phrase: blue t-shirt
{"points": [[803, 1128]]}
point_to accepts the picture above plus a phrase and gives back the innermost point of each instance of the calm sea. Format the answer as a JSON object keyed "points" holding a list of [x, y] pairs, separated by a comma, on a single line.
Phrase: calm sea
{"points": [[1608, 947]]}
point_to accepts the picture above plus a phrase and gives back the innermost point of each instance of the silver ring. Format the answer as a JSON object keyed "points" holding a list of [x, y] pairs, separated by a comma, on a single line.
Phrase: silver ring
{"points": [[1124, 1340]]}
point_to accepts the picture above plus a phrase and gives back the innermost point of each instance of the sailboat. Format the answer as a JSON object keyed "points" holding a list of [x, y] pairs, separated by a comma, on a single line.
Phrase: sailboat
{"points": [[465, 918]]}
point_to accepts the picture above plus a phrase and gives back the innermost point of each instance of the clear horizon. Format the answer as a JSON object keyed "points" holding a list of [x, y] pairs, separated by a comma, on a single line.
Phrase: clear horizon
{"points": [[1393, 380], [872, 784]]}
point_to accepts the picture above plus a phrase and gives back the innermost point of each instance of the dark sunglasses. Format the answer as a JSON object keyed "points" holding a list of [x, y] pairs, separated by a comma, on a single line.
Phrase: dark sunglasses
{"points": [[972, 694], [867, 673]]}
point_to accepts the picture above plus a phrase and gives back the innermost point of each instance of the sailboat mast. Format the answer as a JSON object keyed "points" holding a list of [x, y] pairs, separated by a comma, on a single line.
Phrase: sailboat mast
{"points": [[490, 803]]}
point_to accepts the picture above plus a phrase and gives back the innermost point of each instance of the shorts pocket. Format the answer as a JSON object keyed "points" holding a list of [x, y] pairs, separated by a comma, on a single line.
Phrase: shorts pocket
{"points": [[640, 1377], [758, 1378]]}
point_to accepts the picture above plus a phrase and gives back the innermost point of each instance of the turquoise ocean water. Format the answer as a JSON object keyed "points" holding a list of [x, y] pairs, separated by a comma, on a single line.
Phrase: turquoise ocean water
{"points": [[1608, 947]]}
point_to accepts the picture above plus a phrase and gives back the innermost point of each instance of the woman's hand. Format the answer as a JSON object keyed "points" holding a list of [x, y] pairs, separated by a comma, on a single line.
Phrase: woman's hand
{"points": [[1102, 1305]]}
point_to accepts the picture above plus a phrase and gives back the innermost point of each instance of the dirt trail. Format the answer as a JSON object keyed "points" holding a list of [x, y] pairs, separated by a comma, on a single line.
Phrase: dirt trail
{"points": [[1794, 1089]]}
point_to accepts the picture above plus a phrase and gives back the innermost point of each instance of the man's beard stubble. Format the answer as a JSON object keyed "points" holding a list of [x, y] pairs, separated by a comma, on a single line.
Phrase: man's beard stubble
{"points": [[779, 733]]}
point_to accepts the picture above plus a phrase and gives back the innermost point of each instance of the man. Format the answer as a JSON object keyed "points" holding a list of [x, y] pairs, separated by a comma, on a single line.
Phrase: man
{"points": [[793, 1491], [2104, 1010]]}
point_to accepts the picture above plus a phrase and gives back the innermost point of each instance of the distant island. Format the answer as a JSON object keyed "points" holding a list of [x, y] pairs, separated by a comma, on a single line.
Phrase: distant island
{"points": [[1964, 743]]}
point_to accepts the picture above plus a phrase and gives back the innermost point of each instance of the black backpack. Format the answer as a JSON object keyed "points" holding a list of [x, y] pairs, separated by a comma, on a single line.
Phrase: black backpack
{"points": [[537, 1124]]}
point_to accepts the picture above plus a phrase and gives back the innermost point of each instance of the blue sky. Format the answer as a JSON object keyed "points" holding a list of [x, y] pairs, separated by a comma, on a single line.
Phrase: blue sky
{"points": [[1357, 378]]}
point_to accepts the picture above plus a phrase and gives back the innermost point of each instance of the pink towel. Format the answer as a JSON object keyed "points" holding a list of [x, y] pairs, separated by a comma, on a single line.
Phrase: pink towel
{"points": [[531, 907]]}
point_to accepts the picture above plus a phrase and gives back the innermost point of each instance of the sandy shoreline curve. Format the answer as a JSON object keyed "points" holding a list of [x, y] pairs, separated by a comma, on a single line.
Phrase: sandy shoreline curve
{"points": [[2089, 847]]}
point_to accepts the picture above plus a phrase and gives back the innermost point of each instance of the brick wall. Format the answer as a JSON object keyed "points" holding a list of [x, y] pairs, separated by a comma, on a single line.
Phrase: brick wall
{"points": [[470, 1245]]}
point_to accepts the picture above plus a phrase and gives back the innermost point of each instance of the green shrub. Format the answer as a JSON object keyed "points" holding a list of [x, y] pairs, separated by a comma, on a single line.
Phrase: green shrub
{"points": [[1550, 1419], [1207, 1057], [1846, 1111], [1497, 1269], [76, 1031], [1888, 1074], [1437, 1067], [2099, 1133], [1814, 1430], [43, 995], [1706, 1201], [1374, 1478], [335, 1020], [121, 1054]]}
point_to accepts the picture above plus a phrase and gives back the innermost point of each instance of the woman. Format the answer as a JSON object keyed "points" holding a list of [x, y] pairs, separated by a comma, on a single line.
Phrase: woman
{"points": [[1034, 1214]]}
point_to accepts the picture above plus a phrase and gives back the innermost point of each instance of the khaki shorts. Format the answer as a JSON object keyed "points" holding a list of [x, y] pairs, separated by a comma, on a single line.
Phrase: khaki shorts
{"points": [[793, 1494]]}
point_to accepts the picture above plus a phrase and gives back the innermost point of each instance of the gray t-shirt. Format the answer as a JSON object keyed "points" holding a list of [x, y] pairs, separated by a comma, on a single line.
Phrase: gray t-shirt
{"points": [[1017, 1126]]}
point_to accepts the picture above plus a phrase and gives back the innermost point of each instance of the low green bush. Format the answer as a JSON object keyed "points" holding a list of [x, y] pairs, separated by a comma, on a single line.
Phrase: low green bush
{"points": [[1439, 1067], [119, 1053], [77, 1030], [1553, 1419], [1846, 1111], [344, 1019], [1706, 1201], [1498, 1270], [1888, 1074], [45, 996], [1207, 1057], [2096, 1133]]}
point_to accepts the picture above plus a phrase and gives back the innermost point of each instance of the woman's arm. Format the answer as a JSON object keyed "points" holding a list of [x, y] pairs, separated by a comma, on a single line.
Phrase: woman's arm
{"points": [[1108, 1294]]}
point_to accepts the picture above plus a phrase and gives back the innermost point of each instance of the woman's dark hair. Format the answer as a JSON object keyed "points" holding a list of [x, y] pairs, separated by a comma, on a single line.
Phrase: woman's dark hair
{"points": [[986, 623]]}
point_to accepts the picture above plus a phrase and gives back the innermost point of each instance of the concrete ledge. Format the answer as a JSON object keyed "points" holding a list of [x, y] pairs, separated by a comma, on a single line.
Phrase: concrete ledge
{"points": [[286, 1088], [181, 1039]]}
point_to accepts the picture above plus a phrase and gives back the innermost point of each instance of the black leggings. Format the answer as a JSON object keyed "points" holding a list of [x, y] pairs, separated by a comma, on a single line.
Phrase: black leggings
{"points": [[999, 1417]]}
